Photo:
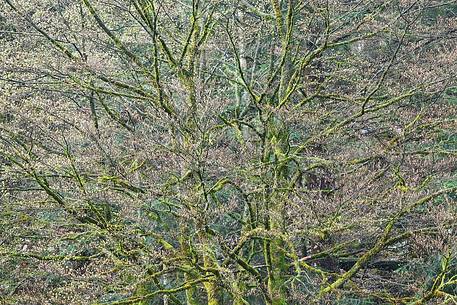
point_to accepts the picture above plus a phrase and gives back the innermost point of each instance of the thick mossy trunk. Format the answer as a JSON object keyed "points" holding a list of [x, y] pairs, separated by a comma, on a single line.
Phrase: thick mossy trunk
{"points": [[212, 290], [192, 291], [274, 255], [212, 293], [275, 203], [278, 268]]}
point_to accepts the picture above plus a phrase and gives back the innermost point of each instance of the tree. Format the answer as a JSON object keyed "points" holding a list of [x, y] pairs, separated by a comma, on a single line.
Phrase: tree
{"points": [[217, 152]]}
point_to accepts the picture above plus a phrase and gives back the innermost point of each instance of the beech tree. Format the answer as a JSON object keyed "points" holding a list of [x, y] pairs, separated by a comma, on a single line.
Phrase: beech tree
{"points": [[228, 152]]}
